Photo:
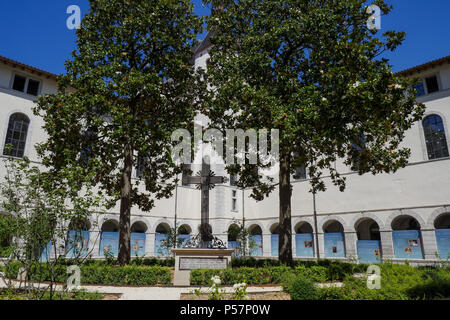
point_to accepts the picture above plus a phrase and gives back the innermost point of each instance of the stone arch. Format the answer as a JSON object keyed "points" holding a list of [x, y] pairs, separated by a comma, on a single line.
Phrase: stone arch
{"points": [[275, 228], [232, 231], [185, 229], [410, 213], [162, 227], [435, 214], [230, 223], [82, 224], [142, 220], [372, 216], [255, 227], [303, 226], [326, 221], [139, 227], [367, 229], [110, 225], [161, 221], [442, 221], [405, 222]]}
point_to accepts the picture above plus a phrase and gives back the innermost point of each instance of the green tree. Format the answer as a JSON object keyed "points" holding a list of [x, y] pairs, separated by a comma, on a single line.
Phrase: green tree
{"points": [[241, 234], [39, 207], [312, 70], [129, 85]]}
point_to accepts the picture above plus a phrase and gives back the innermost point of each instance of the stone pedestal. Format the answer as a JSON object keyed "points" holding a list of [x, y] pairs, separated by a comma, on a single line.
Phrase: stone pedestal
{"points": [[190, 259]]}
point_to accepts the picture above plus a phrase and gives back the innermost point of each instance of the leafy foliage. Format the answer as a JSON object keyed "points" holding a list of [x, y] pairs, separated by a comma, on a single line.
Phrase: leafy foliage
{"points": [[102, 274], [129, 85], [39, 207], [310, 69], [302, 289]]}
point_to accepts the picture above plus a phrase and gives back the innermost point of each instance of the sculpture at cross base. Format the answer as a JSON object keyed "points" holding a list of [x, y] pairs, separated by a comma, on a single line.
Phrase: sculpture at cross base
{"points": [[205, 181]]}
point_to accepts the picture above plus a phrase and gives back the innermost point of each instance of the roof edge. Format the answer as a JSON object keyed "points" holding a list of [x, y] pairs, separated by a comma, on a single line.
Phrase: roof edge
{"points": [[425, 66], [33, 70]]}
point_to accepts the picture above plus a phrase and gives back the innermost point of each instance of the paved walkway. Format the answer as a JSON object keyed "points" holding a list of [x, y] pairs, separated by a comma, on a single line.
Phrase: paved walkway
{"points": [[150, 293]]}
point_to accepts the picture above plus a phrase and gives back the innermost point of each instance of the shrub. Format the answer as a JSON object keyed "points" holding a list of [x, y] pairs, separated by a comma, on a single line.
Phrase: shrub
{"points": [[100, 273], [302, 288], [251, 276], [314, 273]]}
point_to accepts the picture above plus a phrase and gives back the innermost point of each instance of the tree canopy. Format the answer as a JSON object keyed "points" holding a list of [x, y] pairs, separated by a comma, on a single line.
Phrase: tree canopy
{"points": [[313, 70], [128, 86]]}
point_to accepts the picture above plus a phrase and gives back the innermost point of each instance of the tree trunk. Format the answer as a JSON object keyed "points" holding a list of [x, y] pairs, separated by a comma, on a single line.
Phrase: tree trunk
{"points": [[125, 208], [285, 232]]}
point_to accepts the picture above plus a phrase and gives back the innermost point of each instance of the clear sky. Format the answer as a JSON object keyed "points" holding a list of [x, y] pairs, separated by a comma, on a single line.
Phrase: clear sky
{"points": [[35, 32]]}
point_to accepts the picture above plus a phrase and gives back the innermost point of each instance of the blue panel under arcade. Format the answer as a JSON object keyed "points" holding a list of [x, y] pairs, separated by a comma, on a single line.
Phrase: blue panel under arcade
{"points": [[407, 244], [304, 245], [334, 245], [369, 251]]}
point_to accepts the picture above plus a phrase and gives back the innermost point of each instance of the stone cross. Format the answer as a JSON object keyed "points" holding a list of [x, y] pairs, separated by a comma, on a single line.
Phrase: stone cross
{"points": [[205, 181]]}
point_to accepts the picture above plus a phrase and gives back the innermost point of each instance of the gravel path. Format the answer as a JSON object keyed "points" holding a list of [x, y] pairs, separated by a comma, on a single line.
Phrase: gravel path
{"points": [[151, 293]]}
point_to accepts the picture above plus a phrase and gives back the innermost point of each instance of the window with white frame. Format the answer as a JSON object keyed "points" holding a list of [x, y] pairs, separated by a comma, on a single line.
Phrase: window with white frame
{"points": [[16, 136], [234, 200], [435, 137], [300, 173], [428, 85], [26, 85]]}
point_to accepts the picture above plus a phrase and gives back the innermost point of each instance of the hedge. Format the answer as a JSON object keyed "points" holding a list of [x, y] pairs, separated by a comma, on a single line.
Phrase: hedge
{"points": [[398, 282], [104, 275], [251, 276]]}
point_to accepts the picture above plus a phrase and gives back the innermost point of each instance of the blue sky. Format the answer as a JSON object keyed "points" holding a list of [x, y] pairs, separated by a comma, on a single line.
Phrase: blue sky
{"points": [[35, 32]]}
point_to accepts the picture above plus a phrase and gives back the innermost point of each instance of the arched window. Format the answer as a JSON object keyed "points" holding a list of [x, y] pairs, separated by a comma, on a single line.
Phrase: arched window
{"points": [[435, 139], [16, 135]]}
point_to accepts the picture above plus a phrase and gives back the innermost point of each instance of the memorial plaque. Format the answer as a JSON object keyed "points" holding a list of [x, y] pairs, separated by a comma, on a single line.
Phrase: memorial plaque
{"points": [[203, 263]]}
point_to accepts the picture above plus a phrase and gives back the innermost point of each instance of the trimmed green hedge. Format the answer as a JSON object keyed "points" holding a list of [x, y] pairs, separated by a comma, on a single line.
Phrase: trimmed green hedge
{"points": [[251, 276], [105, 275], [262, 272]]}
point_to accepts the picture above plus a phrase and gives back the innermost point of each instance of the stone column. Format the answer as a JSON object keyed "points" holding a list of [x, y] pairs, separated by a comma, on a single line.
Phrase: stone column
{"points": [[321, 245], [267, 239], [149, 244], [350, 245], [294, 246], [94, 243], [429, 244], [387, 247]]}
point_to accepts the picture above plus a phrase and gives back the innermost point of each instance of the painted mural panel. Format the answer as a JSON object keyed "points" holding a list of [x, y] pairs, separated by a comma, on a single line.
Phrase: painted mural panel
{"points": [[443, 243], [369, 251], [160, 249], [274, 245], [407, 244], [77, 244], [334, 245], [235, 245], [304, 245], [185, 238], [258, 248], [138, 244], [109, 244], [46, 252]]}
